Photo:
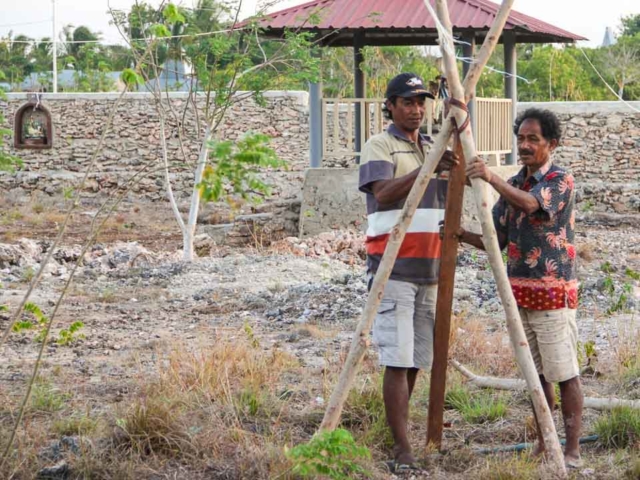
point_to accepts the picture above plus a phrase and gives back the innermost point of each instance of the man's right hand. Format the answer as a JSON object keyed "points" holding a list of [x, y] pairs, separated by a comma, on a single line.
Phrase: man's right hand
{"points": [[479, 169]]}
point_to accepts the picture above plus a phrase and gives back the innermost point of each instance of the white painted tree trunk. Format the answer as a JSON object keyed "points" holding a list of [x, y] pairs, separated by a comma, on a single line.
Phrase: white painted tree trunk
{"points": [[167, 180], [189, 231], [490, 240]]}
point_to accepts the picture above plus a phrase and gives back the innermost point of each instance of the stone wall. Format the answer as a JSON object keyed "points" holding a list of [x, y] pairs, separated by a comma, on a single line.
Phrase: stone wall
{"points": [[601, 146], [134, 139]]}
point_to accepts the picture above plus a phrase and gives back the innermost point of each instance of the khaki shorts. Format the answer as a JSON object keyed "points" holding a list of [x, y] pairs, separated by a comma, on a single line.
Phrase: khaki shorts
{"points": [[403, 327], [553, 340]]}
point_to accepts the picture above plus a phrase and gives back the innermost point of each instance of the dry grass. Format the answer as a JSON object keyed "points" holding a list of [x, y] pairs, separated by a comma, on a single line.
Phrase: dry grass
{"points": [[516, 467], [229, 410], [488, 352]]}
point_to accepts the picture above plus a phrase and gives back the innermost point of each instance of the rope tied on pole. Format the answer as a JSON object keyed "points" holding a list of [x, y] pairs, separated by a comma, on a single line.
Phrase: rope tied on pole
{"points": [[462, 106]]}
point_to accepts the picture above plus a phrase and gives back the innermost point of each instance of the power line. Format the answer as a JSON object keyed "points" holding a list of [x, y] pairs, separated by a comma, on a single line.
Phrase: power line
{"points": [[191, 35], [607, 84], [25, 23]]}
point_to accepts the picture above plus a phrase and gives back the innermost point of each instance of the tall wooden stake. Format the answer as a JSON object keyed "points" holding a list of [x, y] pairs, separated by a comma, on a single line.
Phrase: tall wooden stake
{"points": [[490, 240], [446, 282]]}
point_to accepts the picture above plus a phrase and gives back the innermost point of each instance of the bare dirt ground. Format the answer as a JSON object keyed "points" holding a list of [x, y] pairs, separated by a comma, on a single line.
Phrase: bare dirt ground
{"points": [[213, 369]]}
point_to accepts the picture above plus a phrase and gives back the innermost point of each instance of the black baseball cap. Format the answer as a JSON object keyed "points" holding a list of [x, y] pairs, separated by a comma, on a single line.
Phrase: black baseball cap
{"points": [[407, 85]]}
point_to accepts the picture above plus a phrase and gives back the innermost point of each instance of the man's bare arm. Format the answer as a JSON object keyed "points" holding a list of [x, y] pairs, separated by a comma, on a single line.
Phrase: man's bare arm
{"points": [[520, 199], [475, 239], [396, 189]]}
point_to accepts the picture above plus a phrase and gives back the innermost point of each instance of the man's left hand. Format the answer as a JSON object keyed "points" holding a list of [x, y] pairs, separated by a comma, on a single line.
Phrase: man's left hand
{"points": [[448, 161]]}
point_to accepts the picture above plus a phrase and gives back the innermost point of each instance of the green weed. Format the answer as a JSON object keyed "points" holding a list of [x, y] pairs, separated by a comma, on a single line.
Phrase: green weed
{"points": [[629, 272], [28, 274], [587, 206], [334, 454], [620, 304], [46, 398], [633, 472], [70, 335]]}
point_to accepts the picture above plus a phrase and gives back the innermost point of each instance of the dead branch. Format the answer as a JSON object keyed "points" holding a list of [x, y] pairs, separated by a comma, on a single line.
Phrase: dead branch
{"points": [[480, 381]]}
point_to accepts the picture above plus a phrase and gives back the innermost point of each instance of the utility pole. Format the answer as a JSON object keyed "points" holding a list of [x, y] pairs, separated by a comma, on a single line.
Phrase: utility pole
{"points": [[55, 50]]}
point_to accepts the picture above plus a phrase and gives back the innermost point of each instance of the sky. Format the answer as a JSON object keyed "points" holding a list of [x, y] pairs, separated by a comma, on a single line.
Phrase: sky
{"points": [[588, 18]]}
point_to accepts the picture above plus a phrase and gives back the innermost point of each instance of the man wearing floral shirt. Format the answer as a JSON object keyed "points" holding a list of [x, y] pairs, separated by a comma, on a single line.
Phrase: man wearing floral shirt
{"points": [[535, 221]]}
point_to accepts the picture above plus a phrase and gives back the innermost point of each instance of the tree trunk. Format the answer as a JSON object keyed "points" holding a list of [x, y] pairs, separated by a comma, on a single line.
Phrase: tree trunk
{"points": [[517, 384], [490, 240], [190, 229], [167, 180]]}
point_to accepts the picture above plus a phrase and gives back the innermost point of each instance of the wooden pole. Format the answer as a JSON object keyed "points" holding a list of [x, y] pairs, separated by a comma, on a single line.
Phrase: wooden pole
{"points": [[360, 340], [490, 240], [447, 265], [446, 283]]}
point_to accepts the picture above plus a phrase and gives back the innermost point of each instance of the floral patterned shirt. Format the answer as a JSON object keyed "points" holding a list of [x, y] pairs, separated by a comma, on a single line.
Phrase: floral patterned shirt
{"points": [[541, 255]]}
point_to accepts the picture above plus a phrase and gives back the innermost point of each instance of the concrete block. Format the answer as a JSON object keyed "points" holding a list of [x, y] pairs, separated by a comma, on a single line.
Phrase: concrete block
{"points": [[331, 200]]}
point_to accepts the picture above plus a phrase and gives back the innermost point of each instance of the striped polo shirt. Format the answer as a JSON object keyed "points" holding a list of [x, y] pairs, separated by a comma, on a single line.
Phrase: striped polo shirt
{"points": [[384, 157]]}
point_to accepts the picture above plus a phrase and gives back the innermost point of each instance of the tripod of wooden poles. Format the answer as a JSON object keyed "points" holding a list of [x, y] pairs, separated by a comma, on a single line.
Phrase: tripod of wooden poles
{"points": [[457, 120]]}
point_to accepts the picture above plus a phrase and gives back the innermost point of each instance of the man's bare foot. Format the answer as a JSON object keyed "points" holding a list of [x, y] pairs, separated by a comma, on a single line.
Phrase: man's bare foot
{"points": [[572, 460], [403, 457]]}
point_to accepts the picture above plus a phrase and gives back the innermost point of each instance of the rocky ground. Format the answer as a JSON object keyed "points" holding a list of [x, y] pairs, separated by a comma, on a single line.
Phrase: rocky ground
{"points": [[142, 309]]}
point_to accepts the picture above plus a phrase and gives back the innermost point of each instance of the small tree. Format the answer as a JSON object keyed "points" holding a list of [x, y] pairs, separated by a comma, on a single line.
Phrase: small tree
{"points": [[622, 60], [225, 72]]}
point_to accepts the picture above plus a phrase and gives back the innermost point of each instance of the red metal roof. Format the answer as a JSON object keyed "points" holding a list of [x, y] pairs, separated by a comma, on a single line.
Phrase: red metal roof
{"points": [[378, 15]]}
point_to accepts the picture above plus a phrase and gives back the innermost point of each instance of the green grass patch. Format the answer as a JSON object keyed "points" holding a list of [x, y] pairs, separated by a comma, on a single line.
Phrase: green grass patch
{"points": [[75, 425], [46, 398], [619, 428], [481, 407]]}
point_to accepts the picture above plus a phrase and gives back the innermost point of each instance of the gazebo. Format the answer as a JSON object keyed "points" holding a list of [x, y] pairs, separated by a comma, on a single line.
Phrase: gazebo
{"points": [[349, 23]]}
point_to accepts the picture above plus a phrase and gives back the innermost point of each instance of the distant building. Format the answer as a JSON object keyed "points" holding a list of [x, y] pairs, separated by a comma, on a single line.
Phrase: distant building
{"points": [[609, 38], [175, 76]]}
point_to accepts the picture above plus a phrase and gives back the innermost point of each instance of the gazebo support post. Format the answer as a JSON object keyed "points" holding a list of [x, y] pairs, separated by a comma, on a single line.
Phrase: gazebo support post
{"points": [[359, 88], [490, 240], [511, 86], [315, 124]]}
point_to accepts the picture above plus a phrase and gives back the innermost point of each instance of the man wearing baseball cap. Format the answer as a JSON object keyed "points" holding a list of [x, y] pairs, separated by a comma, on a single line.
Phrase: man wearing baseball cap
{"points": [[403, 327]]}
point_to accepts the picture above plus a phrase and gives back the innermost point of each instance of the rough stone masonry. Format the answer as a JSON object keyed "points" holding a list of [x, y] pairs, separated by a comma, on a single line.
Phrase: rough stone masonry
{"points": [[601, 144]]}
